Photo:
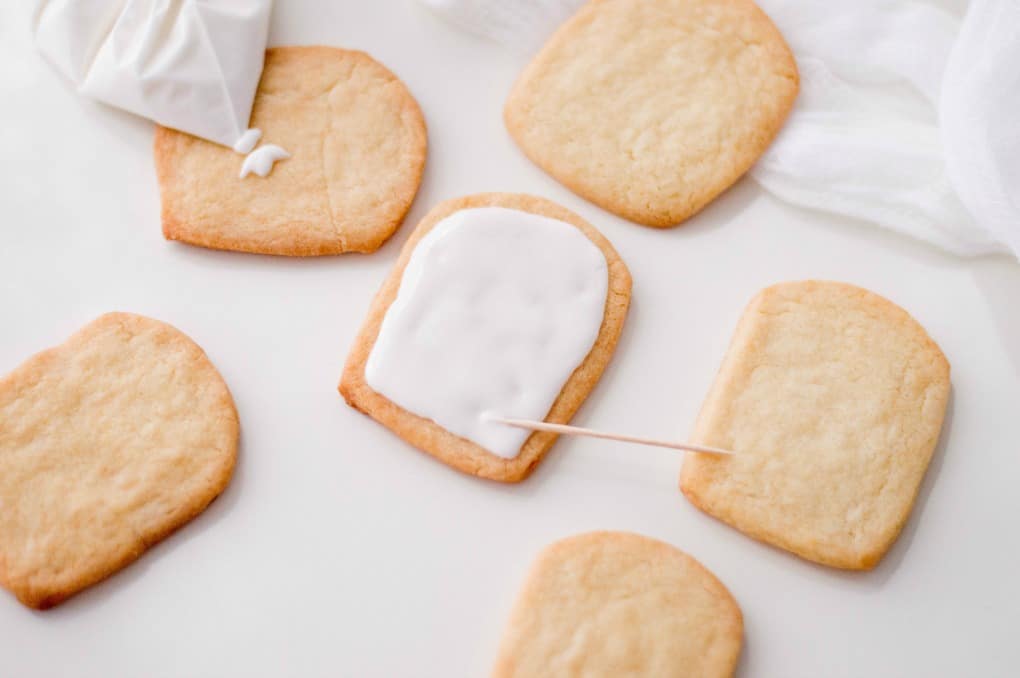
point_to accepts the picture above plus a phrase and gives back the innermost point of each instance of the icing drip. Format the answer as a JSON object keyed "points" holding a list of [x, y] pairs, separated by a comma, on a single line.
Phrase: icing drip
{"points": [[246, 142], [261, 160]]}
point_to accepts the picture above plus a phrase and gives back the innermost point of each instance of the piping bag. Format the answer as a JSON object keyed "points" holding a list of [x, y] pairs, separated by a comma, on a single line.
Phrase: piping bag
{"points": [[192, 65]]}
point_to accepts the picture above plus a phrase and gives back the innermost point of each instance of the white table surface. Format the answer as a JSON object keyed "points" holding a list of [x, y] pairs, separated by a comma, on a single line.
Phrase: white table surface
{"points": [[337, 550]]}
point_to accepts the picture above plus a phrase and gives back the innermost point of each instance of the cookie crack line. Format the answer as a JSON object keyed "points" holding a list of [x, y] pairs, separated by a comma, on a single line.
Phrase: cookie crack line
{"points": [[327, 130]]}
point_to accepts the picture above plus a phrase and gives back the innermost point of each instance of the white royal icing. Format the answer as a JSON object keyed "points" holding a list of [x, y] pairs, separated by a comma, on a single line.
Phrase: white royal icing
{"points": [[246, 142], [261, 160], [496, 309]]}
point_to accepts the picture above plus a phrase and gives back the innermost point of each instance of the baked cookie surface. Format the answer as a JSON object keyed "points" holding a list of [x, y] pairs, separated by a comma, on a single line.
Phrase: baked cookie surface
{"points": [[651, 108], [108, 443], [832, 398], [357, 142], [618, 604], [425, 434]]}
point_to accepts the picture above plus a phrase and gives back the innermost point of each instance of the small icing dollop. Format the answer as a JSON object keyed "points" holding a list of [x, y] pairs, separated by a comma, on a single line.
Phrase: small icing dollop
{"points": [[261, 160], [246, 143]]}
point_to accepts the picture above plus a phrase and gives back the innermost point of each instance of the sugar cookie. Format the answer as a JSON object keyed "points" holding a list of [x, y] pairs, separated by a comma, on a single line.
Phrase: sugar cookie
{"points": [[618, 604], [108, 443], [356, 140], [652, 108], [499, 304], [833, 399]]}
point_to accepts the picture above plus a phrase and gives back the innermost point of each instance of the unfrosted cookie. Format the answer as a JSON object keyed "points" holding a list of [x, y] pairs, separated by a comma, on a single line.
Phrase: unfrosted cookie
{"points": [[617, 604], [357, 143], [108, 443], [832, 398], [422, 432], [652, 108]]}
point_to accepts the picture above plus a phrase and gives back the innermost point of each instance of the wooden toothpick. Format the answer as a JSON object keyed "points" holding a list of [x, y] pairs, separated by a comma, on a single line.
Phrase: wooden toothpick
{"points": [[578, 431]]}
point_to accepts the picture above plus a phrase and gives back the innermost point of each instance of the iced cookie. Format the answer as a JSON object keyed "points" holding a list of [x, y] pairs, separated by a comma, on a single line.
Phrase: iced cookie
{"points": [[108, 443], [652, 108], [500, 305], [356, 140], [833, 398], [618, 604]]}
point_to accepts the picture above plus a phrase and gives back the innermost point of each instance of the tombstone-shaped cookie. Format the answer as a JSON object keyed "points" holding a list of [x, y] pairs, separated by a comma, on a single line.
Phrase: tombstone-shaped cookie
{"points": [[608, 604], [500, 305], [832, 398], [652, 108], [108, 443], [356, 140]]}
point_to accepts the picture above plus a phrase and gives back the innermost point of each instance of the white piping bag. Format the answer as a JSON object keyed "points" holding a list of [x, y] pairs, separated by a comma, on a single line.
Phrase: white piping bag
{"points": [[192, 65]]}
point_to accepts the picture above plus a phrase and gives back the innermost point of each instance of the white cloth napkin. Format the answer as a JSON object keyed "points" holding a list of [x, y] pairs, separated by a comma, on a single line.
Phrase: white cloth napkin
{"points": [[942, 164], [188, 64]]}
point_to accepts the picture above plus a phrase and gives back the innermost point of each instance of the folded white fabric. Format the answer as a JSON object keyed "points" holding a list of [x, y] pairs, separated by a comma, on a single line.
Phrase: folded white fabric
{"points": [[942, 164], [979, 110], [188, 64], [932, 170]]}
